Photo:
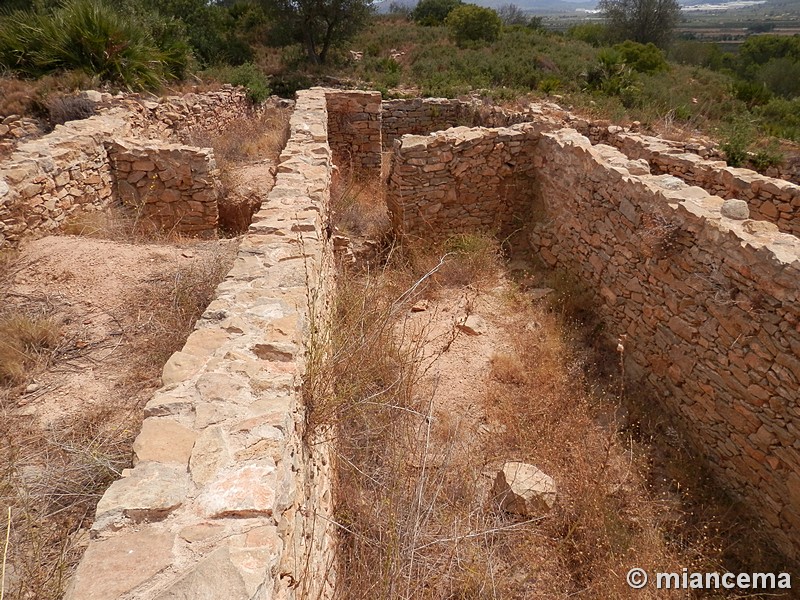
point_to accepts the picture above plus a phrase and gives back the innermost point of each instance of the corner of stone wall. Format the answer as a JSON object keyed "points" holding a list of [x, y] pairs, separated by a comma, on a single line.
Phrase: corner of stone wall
{"points": [[226, 498], [354, 128], [172, 186]]}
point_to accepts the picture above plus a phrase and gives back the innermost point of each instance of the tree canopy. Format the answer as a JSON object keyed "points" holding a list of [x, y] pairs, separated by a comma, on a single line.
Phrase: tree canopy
{"points": [[643, 21], [319, 24]]}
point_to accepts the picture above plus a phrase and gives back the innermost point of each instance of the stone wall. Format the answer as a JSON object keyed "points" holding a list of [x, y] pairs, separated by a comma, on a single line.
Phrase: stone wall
{"points": [[462, 180], [48, 179], [174, 187], [710, 307], [354, 128], [773, 200], [175, 117], [228, 497]]}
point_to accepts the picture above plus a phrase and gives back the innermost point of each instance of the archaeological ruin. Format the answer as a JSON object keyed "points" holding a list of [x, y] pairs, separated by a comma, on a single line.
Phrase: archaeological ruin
{"points": [[695, 265]]}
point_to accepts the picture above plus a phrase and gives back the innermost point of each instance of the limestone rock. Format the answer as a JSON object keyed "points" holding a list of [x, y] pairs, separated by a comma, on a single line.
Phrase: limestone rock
{"points": [[247, 492], [735, 209], [164, 440], [150, 492], [212, 578], [113, 567], [522, 489]]}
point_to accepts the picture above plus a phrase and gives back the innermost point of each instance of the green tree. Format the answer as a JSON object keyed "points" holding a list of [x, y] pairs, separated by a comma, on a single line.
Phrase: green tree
{"points": [[642, 21], [432, 13], [472, 23], [319, 25]]}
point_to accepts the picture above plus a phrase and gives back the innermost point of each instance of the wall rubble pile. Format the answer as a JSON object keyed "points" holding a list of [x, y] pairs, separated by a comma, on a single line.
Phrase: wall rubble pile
{"points": [[226, 499]]}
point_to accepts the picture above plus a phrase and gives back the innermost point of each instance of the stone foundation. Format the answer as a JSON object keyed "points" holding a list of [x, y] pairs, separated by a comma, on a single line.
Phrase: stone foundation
{"points": [[709, 307], [229, 498]]}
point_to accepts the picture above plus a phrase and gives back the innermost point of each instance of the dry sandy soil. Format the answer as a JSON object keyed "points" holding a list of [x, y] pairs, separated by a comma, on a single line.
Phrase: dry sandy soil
{"points": [[107, 297]]}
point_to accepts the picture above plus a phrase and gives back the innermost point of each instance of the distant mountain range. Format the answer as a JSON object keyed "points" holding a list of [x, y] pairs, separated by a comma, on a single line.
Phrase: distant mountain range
{"points": [[553, 6]]}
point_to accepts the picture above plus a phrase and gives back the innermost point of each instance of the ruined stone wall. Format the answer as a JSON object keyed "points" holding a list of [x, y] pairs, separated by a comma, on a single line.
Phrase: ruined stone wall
{"points": [[175, 117], [228, 497], [420, 116], [773, 200], [710, 307], [174, 187], [354, 130], [462, 180], [50, 178]]}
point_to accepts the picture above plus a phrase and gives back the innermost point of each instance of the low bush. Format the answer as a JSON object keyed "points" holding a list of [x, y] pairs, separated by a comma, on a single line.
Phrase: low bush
{"points": [[433, 12], [62, 109], [87, 35], [642, 58]]}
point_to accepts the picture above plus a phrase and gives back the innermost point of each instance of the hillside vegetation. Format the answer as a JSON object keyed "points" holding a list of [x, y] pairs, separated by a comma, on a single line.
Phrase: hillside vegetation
{"points": [[442, 48]]}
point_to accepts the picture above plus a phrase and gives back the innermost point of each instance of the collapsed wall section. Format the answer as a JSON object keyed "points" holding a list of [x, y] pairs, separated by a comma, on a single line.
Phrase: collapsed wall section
{"points": [[226, 498]]}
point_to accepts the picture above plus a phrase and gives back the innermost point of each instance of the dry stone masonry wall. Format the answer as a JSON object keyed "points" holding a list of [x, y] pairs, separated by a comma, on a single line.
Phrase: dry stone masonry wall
{"points": [[354, 122], [47, 180], [709, 306], [226, 499], [462, 180], [174, 187], [50, 178]]}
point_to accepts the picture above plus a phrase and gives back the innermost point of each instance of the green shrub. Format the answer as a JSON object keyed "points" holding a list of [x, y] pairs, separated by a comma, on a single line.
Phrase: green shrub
{"points": [[472, 23], [780, 117], [642, 58], [433, 12], [87, 35], [767, 156], [751, 93], [248, 76], [736, 140]]}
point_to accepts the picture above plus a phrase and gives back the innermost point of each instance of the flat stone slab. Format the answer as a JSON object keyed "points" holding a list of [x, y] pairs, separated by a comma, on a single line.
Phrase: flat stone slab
{"points": [[113, 567], [149, 493], [164, 440], [246, 492], [213, 578]]}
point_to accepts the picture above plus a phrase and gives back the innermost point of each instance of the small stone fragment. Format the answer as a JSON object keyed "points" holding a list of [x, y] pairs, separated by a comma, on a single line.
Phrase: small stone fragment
{"points": [[735, 209], [522, 489], [473, 325]]}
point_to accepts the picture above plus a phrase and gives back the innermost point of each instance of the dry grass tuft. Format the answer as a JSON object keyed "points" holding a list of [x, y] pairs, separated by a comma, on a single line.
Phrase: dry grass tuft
{"points": [[26, 343], [52, 480], [359, 207], [507, 368], [243, 142]]}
